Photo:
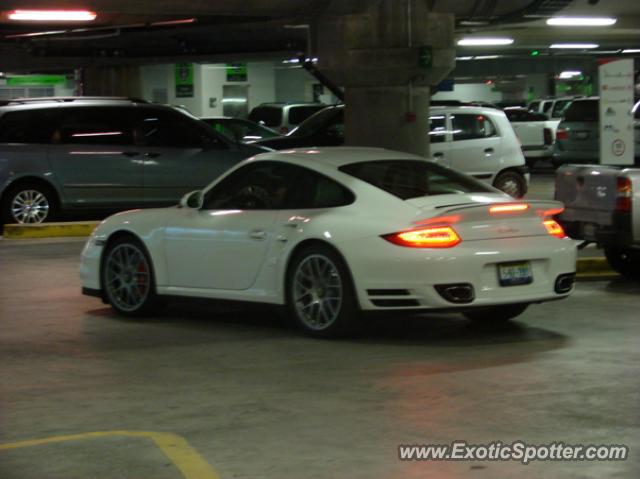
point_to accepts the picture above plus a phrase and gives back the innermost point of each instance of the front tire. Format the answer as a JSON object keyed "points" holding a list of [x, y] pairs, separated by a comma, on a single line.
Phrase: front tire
{"points": [[127, 277], [29, 203], [320, 294], [625, 261], [512, 183], [497, 314]]}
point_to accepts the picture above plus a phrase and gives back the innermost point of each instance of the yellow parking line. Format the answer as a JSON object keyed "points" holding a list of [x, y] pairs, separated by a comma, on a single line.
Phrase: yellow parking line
{"points": [[50, 230], [188, 461]]}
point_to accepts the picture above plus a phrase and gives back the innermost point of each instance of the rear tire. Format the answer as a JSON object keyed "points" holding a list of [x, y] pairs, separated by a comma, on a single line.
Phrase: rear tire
{"points": [[321, 298], [497, 314], [512, 183], [29, 203], [625, 261], [127, 278]]}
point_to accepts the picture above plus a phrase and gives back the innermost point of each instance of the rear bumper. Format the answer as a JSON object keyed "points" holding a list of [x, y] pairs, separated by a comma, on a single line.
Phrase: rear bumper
{"points": [[392, 277], [618, 233], [576, 156], [541, 151]]}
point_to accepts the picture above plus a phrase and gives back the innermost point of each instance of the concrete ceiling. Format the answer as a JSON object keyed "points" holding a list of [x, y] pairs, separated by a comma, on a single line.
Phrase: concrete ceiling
{"points": [[134, 31]]}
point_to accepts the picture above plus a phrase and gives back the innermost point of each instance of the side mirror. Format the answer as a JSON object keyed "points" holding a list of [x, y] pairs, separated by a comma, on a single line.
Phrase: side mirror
{"points": [[193, 200]]}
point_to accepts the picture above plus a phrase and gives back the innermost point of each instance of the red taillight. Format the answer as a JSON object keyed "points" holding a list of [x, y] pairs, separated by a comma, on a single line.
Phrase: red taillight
{"points": [[548, 136], [434, 237], [509, 208], [554, 229], [562, 135], [624, 194]]}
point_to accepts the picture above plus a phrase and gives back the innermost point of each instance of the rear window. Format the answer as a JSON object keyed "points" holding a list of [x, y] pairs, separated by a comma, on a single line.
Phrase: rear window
{"points": [[582, 110], [267, 115], [297, 114], [408, 179]]}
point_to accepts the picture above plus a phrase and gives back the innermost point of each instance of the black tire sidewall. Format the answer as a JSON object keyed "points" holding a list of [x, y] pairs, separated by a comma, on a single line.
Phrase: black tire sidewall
{"points": [[630, 268], [349, 320], [151, 300], [13, 191]]}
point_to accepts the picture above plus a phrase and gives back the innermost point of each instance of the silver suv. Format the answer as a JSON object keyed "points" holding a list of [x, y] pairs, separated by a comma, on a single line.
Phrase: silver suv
{"points": [[59, 154], [284, 117]]}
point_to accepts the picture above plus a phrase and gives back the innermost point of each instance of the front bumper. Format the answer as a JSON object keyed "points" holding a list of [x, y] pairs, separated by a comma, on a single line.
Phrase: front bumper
{"points": [[392, 277]]}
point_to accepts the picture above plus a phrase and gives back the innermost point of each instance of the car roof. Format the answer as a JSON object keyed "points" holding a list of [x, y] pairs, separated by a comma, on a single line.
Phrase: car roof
{"points": [[283, 104], [335, 156]]}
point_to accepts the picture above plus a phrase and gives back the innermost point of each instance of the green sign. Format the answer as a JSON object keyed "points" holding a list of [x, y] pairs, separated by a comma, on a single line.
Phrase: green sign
{"points": [[236, 72], [184, 80], [426, 57], [48, 80]]}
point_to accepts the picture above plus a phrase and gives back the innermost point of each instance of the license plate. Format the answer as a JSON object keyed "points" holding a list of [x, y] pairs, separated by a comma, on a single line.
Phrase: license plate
{"points": [[582, 135], [513, 274]]}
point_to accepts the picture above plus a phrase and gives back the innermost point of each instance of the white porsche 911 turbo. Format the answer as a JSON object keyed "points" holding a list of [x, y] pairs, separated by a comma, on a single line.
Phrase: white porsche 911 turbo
{"points": [[333, 232]]}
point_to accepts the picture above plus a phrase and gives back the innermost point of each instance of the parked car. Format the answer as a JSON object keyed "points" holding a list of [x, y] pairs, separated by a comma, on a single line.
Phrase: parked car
{"points": [[335, 233], [578, 134], [535, 131], [238, 129], [61, 154], [475, 140], [553, 108], [602, 205], [283, 117]]}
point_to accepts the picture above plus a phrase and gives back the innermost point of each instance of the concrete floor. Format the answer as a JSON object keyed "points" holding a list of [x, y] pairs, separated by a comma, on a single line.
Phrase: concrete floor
{"points": [[254, 399]]}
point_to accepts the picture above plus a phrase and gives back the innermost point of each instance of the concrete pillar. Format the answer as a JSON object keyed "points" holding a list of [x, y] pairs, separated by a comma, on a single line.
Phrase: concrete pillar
{"points": [[387, 59], [112, 81]]}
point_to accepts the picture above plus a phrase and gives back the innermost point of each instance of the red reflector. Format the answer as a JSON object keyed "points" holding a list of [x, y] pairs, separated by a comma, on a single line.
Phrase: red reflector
{"points": [[511, 208], [554, 228], [434, 237], [562, 135], [624, 194]]}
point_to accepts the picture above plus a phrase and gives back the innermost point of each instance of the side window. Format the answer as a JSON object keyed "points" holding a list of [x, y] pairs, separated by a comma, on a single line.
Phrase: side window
{"points": [[534, 106], [313, 190], [93, 126], [437, 129], [163, 128], [468, 126], [546, 106], [27, 126], [257, 186]]}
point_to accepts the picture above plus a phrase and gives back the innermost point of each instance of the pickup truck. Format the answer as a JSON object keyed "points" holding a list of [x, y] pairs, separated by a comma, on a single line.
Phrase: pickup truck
{"points": [[535, 131], [602, 205]]}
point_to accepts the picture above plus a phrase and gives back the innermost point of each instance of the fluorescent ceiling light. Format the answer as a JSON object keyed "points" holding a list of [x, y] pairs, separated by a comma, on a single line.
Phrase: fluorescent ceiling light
{"points": [[579, 46], [461, 59], [484, 41], [631, 50], [569, 74], [486, 57], [581, 21], [52, 15]]}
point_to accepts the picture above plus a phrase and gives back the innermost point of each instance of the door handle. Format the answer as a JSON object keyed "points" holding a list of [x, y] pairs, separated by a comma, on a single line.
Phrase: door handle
{"points": [[130, 153], [290, 225], [438, 154], [488, 151], [151, 155], [258, 234]]}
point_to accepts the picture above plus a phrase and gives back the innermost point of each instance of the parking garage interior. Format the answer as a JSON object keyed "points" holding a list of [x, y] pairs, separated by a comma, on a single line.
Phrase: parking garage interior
{"points": [[528, 109]]}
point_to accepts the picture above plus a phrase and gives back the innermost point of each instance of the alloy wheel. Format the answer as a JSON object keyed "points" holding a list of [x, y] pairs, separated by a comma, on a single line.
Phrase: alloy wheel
{"points": [[317, 292], [127, 277], [30, 206]]}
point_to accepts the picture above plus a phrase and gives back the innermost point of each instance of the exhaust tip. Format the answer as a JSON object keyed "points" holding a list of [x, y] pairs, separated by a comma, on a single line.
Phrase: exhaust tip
{"points": [[458, 293], [565, 282]]}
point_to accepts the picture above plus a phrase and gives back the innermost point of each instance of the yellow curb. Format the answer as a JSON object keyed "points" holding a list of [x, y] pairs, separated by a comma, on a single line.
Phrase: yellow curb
{"points": [[50, 230], [188, 461]]}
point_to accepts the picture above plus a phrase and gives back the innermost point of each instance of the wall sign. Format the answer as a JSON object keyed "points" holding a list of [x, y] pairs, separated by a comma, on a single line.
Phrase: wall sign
{"points": [[39, 80], [236, 72], [184, 80], [616, 119]]}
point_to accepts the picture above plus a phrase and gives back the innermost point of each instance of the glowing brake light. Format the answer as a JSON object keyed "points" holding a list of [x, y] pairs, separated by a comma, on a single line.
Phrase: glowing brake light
{"points": [[433, 237], [624, 194], [554, 229], [510, 208]]}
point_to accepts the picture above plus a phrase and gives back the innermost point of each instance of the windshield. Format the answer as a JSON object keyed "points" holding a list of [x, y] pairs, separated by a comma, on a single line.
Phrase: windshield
{"points": [[326, 116], [408, 179]]}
